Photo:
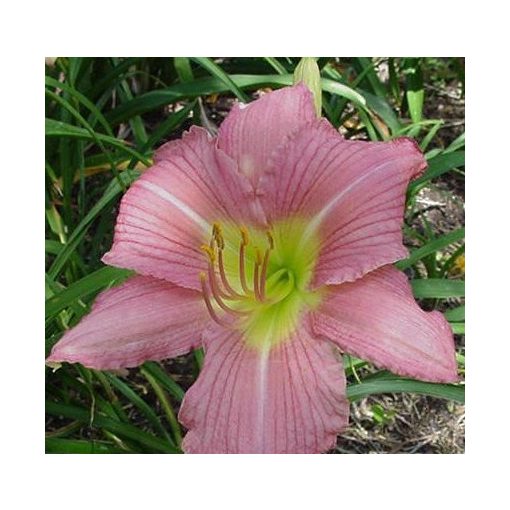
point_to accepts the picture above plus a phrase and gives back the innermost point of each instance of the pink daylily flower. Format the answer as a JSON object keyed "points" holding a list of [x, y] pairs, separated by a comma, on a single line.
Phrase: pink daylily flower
{"points": [[272, 247]]}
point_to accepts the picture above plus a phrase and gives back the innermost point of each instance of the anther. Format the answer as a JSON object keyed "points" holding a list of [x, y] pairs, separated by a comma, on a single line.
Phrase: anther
{"points": [[270, 239], [209, 251], [244, 236], [218, 236]]}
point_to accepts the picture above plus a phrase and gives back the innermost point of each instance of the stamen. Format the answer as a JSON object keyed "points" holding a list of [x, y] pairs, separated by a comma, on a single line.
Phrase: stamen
{"points": [[207, 299], [270, 240], [242, 275], [244, 235], [216, 291], [215, 287], [256, 279], [209, 251], [223, 275], [218, 235], [220, 243]]}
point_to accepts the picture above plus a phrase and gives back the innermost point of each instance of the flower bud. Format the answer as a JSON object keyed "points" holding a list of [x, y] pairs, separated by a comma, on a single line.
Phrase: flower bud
{"points": [[308, 72]]}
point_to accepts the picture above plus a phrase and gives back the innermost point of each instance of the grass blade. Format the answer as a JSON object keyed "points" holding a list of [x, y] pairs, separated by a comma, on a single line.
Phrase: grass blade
{"points": [[219, 73], [111, 192], [431, 247], [276, 65], [207, 86], [459, 328], [59, 445], [93, 282], [138, 402], [437, 166], [116, 427], [61, 129], [456, 314], [395, 384], [437, 288], [164, 379], [82, 99]]}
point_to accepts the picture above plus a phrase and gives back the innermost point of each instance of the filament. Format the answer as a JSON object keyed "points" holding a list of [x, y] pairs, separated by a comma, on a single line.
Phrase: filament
{"points": [[217, 290], [207, 299], [263, 274], [217, 296], [223, 276]]}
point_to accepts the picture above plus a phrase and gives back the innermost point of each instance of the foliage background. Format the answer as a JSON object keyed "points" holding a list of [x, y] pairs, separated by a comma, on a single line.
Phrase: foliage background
{"points": [[105, 117]]}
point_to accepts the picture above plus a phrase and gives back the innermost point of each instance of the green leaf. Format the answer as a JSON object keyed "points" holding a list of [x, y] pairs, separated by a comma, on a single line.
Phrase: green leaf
{"points": [[459, 328], [456, 314], [116, 427], [93, 282], [438, 165], [384, 110], [368, 67], [164, 379], [436, 126], [275, 65], [62, 129], [437, 288], [109, 195], [457, 144], [59, 445], [52, 247], [431, 247], [82, 99], [219, 73], [389, 383], [183, 68], [206, 86], [168, 125], [165, 404], [137, 401]]}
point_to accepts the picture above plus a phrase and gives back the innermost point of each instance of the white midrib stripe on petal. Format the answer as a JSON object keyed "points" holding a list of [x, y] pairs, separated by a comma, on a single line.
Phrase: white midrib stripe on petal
{"points": [[184, 208], [262, 396], [319, 217]]}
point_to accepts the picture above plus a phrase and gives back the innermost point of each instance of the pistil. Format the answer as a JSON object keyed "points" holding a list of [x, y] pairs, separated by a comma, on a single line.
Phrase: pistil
{"points": [[242, 275], [256, 277], [264, 266]]}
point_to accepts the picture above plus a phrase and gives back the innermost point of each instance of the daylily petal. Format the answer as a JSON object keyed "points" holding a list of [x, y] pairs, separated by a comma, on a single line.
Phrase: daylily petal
{"points": [[352, 192], [290, 399], [167, 214], [376, 318], [142, 319], [251, 132]]}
